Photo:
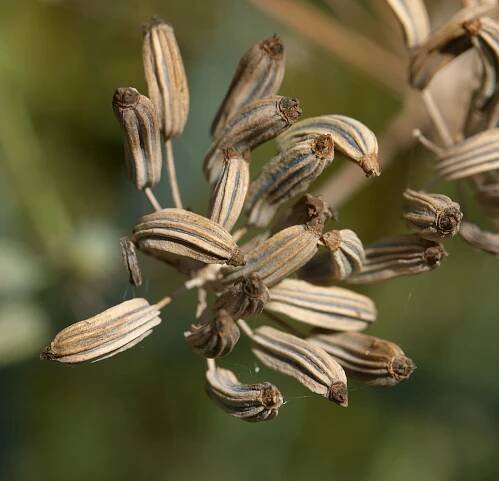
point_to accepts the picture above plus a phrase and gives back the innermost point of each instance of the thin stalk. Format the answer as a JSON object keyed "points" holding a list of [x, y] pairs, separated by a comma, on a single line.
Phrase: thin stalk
{"points": [[437, 118], [172, 174], [245, 328], [211, 364], [152, 199]]}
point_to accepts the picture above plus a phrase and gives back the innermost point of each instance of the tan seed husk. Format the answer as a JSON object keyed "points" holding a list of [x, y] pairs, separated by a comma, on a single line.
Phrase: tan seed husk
{"points": [[259, 74], [230, 191], [308, 364], [481, 239], [332, 308], [184, 233], [130, 261], [249, 402], [104, 335], [475, 155], [280, 255], [350, 137], [256, 123], [398, 256], [215, 337], [413, 18], [288, 174], [431, 216], [245, 298], [373, 360], [165, 76], [137, 117]]}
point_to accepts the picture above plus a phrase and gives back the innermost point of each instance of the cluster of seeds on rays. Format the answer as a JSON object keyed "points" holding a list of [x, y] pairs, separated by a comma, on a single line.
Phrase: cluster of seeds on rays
{"points": [[264, 249]]}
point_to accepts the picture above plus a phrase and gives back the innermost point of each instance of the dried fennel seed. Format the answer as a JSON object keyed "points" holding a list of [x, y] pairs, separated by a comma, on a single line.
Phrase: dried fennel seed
{"points": [[104, 335], [130, 261], [230, 191], [346, 253], [475, 155], [304, 210], [481, 239], [350, 137], [311, 366], [255, 124], [413, 18], [214, 337], [259, 74], [137, 117], [288, 174], [249, 402], [332, 308], [245, 298], [373, 360], [180, 232], [281, 255], [431, 216], [398, 256], [444, 45], [165, 76]]}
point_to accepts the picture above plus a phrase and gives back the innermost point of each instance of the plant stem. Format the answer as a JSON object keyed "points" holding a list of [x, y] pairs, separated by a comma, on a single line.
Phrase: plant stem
{"points": [[437, 118], [152, 199], [172, 175], [245, 328]]}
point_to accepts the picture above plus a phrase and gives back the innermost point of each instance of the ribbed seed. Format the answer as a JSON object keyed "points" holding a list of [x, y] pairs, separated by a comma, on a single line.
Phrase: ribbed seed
{"points": [[215, 337], [180, 232], [280, 255], [486, 187], [230, 191], [398, 256], [481, 239], [475, 155], [332, 308], [432, 216], [413, 18], [373, 360], [303, 211], [130, 261], [308, 364], [165, 76], [256, 123], [245, 298], [104, 335], [288, 174], [137, 117], [259, 74], [249, 402], [445, 44], [350, 137]]}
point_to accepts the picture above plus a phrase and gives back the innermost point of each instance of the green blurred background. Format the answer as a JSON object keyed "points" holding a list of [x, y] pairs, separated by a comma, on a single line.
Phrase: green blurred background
{"points": [[65, 202]]}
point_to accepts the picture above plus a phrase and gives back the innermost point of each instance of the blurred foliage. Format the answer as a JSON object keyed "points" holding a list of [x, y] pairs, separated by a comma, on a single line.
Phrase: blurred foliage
{"points": [[143, 415]]}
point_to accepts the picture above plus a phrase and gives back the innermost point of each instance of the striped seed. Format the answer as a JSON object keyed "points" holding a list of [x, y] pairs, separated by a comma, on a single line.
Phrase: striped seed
{"points": [[398, 256], [332, 308], [137, 117], [249, 402], [288, 174], [481, 239], [431, 216], [373, 360], [259, 74], [230, 191], [350, 137], [184, 233], [130, 261], [165, 76], [256, 123], [104, 335], [310, 365]]}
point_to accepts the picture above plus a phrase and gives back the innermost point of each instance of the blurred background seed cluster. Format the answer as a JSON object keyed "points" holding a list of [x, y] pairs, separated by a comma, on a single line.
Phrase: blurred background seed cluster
{"points": [[65, 201]]}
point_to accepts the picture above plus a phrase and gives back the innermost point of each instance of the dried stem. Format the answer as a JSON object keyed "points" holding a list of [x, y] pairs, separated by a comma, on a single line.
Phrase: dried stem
{"points": [[152, 199], [239, 234], [211, 364], [245, 328], [437, 118], [172, 175]]}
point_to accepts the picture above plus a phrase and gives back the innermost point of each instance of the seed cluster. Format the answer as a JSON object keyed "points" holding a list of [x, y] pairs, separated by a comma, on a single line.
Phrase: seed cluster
{"points": [[281, 263]]}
